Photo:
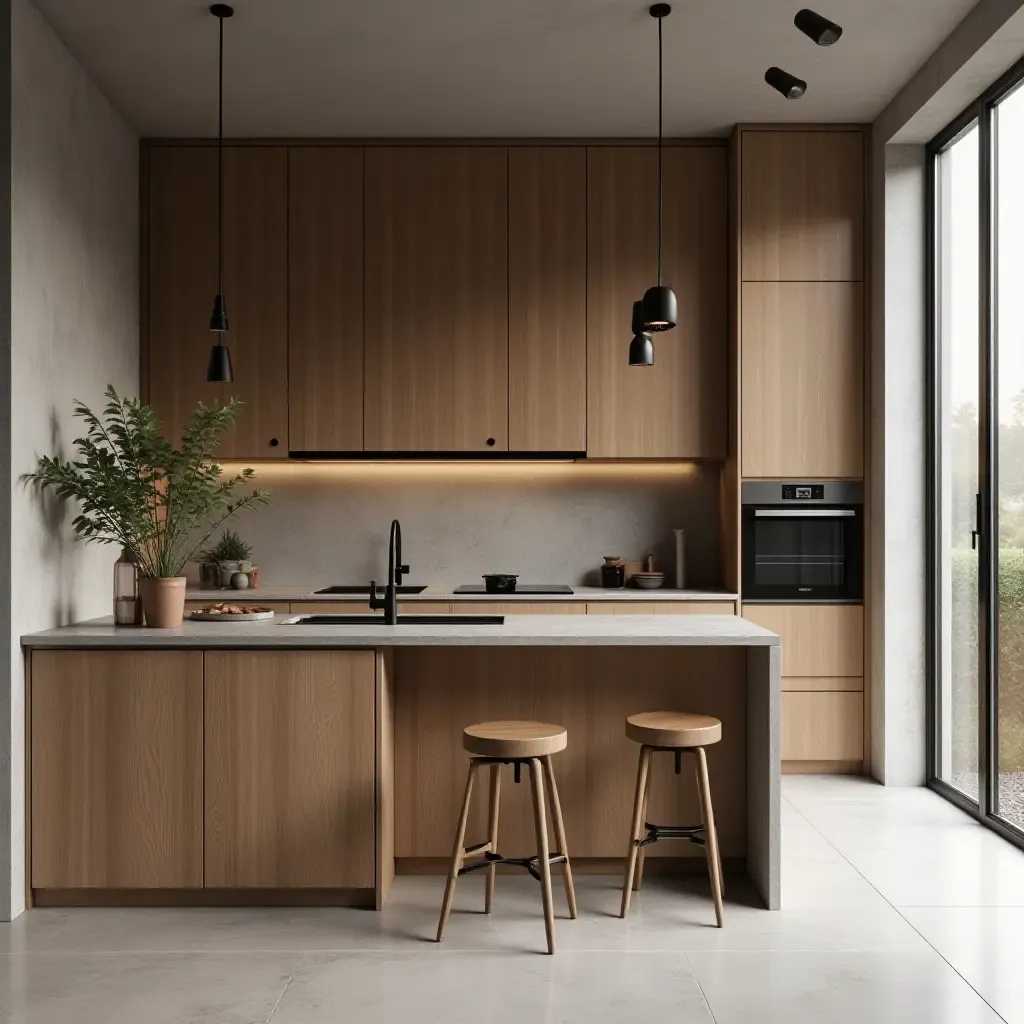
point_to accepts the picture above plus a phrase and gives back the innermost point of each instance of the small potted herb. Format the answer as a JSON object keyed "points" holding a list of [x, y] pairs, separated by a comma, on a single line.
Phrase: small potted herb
{"points": [[231, 554]]}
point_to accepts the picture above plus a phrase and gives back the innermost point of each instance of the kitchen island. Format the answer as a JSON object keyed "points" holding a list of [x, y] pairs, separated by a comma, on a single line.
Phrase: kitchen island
{"points": [[296, 763]]}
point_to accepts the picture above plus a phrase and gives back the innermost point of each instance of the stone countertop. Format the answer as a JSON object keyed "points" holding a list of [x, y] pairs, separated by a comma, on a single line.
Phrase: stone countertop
{"points": [[517, 630], [447, 593]]}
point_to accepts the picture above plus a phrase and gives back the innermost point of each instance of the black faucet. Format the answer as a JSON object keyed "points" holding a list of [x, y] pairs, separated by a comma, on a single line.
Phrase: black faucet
{"points": [[396, 570]]}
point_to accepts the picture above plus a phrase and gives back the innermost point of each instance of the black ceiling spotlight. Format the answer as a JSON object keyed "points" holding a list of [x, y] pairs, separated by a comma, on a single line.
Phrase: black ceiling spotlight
{"points": [[219, 370], [789, 85], [816, 27], [641, 348], [659, 301]]}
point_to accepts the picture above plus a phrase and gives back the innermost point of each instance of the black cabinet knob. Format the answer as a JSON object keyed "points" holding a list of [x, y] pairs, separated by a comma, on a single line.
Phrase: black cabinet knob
{"points": [[274, 442], [490, 442]]}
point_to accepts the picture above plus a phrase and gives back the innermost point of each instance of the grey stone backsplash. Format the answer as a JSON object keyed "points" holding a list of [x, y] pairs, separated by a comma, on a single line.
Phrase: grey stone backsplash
{"points": [[550, 523]]}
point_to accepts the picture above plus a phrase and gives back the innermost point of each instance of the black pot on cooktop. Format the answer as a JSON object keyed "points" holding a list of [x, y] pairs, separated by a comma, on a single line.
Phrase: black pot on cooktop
{"points": [[500, 583]]}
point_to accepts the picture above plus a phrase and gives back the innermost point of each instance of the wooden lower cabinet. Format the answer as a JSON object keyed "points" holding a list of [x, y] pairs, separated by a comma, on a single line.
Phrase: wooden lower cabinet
{"points": [[117, 769], [363, 608], [822, 726], [290, 769], [661, 608], [818, 640]]}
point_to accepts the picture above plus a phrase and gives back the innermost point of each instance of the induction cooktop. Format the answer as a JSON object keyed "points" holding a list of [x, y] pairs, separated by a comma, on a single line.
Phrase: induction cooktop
{"points": [[521, 588]]}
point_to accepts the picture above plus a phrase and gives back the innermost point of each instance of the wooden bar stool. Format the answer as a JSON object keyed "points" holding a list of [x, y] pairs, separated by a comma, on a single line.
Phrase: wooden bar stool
{"points": [[678, 733], [517, 744]]}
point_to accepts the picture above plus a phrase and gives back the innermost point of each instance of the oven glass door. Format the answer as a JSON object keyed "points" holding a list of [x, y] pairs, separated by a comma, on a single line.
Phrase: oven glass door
{"points": [[809, 554]]}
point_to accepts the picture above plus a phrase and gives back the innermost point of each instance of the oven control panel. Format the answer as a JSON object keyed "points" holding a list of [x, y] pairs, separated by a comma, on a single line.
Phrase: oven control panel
{"points": [[803, 492]]}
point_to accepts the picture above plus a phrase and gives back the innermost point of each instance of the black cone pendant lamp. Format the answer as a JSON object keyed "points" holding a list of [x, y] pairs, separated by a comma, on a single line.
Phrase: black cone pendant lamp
{"points": [[641, 348], [659, 302], [219, 370]]}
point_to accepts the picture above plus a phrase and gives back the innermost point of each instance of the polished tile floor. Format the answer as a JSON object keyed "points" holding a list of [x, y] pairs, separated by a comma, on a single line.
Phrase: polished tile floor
{"points": [[897, 908]]}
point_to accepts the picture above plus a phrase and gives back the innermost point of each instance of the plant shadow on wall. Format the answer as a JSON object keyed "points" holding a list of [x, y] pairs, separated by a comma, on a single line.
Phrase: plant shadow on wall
{"points": [[136, 490]]}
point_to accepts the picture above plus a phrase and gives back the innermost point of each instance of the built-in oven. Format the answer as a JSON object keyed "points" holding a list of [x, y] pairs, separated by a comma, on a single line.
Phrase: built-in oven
{"points": [[803, 541]]}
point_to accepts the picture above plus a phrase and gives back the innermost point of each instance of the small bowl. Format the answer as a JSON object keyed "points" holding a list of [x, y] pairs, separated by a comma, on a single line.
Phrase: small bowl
{"points": [[648, 580]]}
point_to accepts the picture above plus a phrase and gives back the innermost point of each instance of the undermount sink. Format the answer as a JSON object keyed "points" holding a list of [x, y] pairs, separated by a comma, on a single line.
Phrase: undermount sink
{"points": [[403, 620], [364, 588]]}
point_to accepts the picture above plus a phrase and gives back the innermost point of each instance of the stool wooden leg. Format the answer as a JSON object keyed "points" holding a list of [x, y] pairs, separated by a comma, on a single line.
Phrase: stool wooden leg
{"points": [[642, 851], [458, 853], [556, 817], [492, 832], [638, 808], [541, 826], [710, 834], [703, 817]]}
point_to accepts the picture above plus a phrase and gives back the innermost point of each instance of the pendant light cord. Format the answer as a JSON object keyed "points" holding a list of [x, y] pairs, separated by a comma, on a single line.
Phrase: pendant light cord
{"points": [[220, 160], [660, 174]]}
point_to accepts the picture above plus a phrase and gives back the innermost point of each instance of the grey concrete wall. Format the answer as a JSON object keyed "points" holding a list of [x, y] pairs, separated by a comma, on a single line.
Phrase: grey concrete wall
{"points": [[74, 328], [898, 437], [549, 523]]}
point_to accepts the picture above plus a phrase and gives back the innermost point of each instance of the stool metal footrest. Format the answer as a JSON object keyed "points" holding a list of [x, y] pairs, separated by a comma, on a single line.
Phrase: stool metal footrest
{"points": [[694, 833], [530, 863]]}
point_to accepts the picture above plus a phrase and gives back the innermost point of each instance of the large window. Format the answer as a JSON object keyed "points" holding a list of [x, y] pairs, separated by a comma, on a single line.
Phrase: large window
{"points": [[977, 458]]}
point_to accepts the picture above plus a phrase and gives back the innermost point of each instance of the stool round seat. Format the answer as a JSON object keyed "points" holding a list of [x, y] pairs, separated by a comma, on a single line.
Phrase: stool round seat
{"points": [[514, 739], [673, 729]]}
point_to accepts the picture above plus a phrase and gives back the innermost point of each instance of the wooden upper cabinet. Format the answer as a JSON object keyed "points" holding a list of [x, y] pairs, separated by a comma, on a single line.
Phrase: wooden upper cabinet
{"points": [[547, 281], [436, 299], [117, 769], [677, 408], [182, 282], [802, 205], [803, 379], [256, 293], [325, 298]]}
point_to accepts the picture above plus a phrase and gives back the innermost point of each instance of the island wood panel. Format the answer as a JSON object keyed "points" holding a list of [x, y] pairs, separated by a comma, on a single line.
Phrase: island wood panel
{"points": [[362, 608], [181, 252], [803, 380], [325, 298], [661, 608], [547, 301], [818, 640], [590, 691], [520, 607], [677, 408], [802, 205], [822, 726], [290, 769], [256, 294], [117, 770], [436, 293]]}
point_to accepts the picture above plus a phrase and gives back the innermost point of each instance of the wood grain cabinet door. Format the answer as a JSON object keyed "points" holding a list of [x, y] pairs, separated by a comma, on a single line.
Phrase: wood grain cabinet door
{"points": [[436, 299], [547, 302], [290, 768], [256, 293], [803, 379], [181, 281], [802, 206], [676, 408], [117, 769], [325, 298]]}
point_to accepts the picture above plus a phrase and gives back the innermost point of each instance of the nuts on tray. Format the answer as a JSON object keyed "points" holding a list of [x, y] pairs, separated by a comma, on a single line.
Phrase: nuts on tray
{"points": [[221, 608]]}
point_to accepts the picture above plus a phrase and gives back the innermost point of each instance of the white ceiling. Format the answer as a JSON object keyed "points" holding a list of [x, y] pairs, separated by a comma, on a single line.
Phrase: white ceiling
{"points": [[491, 67]]}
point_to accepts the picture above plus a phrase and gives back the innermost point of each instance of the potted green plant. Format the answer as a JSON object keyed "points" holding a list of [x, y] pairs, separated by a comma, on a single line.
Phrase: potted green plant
{"points": [[136, 490], [231, 555]]}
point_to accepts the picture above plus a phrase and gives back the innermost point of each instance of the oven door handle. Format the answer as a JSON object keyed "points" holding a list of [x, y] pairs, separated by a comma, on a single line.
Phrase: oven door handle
{"points": [[805, 513]]}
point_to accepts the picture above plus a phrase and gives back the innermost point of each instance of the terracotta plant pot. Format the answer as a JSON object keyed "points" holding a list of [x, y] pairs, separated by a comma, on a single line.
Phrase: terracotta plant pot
{"points": [[163, 601]]}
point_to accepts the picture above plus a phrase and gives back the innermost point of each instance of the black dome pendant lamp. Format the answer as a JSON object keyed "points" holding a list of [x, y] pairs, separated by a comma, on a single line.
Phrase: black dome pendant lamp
{"points": [[659, 302], [641, 348], [219, 370]]}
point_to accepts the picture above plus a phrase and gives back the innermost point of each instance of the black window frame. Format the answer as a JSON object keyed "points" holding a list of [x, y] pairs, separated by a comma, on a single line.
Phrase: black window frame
{"points": [[981, 112]]}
